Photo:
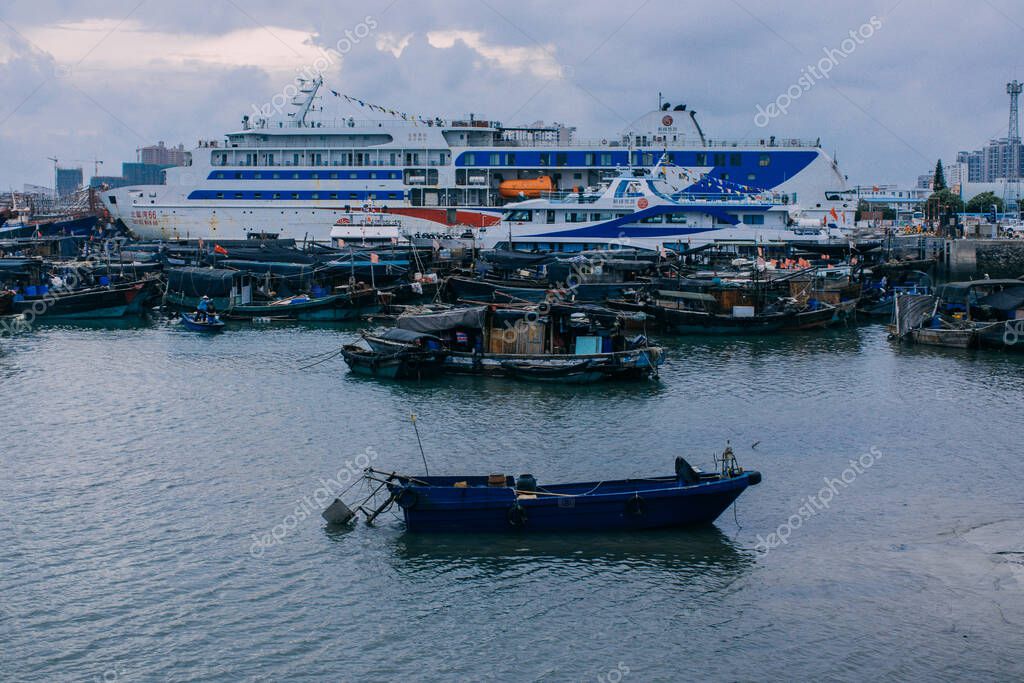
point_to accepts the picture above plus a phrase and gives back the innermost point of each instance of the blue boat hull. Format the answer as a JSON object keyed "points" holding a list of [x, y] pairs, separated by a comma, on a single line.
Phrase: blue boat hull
{"points": [[191, 323], [628, 506]]}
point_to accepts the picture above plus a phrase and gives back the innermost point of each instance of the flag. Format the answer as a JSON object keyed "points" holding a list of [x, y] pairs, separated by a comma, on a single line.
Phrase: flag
{"points": [[832, 211], [217, 249], [336, 93], [374, 258]]}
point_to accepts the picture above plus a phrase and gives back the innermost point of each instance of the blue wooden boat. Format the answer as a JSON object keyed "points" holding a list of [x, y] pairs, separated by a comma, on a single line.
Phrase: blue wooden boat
{"points": [[500, 503], [210, 325]]}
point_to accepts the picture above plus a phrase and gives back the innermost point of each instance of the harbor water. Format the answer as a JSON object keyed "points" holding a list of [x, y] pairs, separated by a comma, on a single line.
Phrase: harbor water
{"points": [[162, 491]]}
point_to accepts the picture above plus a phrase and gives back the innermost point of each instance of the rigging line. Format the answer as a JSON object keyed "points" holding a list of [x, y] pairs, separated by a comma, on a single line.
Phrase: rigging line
{"points": [[335, 354]]}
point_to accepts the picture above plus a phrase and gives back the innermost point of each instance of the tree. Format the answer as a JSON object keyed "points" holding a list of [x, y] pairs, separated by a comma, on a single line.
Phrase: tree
{"points": [[939, 181], [982, 203]]}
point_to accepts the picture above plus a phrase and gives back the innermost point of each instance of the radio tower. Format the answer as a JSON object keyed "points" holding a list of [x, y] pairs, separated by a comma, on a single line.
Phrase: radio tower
{"points": [[1013, 90]]}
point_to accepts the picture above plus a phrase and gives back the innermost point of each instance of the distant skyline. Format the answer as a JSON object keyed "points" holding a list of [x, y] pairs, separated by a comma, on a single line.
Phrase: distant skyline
{"points": [[888, 86]]}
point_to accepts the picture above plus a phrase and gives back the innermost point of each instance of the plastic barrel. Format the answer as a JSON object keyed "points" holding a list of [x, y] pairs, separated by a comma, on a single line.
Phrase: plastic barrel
{"points": [[104, 280], [43, 290], [30, 290]]}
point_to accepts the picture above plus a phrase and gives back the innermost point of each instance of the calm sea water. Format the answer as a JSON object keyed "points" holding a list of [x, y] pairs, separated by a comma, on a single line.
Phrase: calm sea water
{"points": [[147, 470]]}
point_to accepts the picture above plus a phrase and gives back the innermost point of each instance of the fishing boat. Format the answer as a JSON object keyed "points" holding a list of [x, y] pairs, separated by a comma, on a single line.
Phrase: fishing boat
{"points": [[504, 340], [407, 355], [964, 315], [234, 293], [212, 324], [504, 504], [104, 301], [584, 372]]}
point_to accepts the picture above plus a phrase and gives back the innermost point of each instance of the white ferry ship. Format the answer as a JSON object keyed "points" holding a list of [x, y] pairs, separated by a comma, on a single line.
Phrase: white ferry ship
{"points": [[653, 210], [305, 176]]}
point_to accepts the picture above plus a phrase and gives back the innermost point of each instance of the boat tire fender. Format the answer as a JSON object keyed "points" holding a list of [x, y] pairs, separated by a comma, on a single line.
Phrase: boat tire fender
{"points": [[407, 499], [636, 506], [517, 516]]}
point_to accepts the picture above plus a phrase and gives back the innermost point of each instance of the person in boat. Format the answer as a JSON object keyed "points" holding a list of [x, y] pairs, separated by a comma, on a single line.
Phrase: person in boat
{"points": [[211, 310], [202, 308]]}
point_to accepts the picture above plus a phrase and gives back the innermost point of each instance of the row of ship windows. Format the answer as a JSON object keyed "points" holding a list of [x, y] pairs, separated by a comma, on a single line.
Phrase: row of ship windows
{"points": [[209, 194], [612, 159], [306, 175], [526, 216]]}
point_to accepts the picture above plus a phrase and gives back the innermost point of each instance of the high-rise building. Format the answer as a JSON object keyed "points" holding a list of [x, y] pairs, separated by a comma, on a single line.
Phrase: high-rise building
{"points": [[160, 155], [69, 181]]}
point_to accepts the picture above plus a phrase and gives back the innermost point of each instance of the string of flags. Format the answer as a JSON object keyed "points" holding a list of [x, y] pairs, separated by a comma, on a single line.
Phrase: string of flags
{"points": [[414, 118]]}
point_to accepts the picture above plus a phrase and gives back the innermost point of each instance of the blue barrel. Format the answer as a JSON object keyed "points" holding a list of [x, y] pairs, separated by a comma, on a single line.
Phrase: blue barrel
{"points": [[104, 280], [30, 290]]}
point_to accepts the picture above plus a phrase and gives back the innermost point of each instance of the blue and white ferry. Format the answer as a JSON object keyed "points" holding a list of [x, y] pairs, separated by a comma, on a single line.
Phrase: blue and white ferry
{"points": [[305, 175], [653, 209]]}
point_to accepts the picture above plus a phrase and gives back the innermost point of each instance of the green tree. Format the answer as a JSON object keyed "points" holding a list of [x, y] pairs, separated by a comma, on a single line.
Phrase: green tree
{"points": [[982, 203], [939, 181]]}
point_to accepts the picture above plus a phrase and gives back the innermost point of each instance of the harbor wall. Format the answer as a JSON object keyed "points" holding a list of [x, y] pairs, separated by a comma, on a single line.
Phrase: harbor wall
{"points": [[985, 257]]}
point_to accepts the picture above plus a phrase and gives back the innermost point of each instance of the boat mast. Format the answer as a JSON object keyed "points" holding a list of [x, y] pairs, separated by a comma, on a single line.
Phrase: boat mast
{"points": [[308, 88]]}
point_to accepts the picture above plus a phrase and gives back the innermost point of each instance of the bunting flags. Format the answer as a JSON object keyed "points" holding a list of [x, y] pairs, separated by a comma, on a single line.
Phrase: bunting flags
{"points": [[414, 118]]}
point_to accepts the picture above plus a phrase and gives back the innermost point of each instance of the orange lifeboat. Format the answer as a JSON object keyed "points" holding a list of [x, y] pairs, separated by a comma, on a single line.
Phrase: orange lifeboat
{"points": [[526, 188]]}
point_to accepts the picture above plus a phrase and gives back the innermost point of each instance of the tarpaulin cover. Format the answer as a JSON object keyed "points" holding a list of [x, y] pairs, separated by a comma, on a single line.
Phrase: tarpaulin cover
{"points": [[1010, 299], [201, 281], [431, 323]]}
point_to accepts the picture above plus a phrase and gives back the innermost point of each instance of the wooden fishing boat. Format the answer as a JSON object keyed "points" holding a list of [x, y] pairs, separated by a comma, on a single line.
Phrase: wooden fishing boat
{"points": [[113, 301], [495, 340], [212, 324], [506, 504], [815, 317], [396, 354]]}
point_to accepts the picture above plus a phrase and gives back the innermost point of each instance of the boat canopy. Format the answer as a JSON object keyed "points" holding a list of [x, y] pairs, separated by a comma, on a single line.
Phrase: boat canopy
{"points": [[430, 323], [406, 336], [201, 281], [690, 296], [958, 291], [1009, 299]]}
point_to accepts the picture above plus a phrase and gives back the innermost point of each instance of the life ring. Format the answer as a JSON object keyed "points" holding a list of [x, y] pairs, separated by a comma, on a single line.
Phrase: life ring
{"points": [[604, 142], [407, 499], [517, 516], [635, 506]]}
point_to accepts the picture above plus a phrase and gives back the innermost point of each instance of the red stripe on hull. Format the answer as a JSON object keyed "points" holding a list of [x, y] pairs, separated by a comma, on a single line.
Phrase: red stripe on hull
{"points": [[473, 219]]}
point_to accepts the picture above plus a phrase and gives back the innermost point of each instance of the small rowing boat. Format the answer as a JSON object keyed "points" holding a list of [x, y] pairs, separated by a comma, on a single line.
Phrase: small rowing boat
{"points": [[210, 325]]}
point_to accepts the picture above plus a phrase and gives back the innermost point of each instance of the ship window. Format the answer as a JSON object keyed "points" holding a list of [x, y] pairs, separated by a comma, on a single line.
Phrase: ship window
{"points": [[353, 195], [469, 159], [735, 159], [702, 159], [295, 195], [765, 160], [277, 175], [353, 175], [495, 159], [751, 176], [719, 159], [551, 216], [334, 195], [522, 215], [373, 175], [277, 195], [588, 159], [393, 195], [510, 159], [394, 176], [238, 195], [220, 195], [725, 176], [257, 176], [315, 176], [652, 219], [677, 218], [220, 175], [757, 219], [238, 176], [373, 195], [648, 159], [257, 195], [334, 176], [606, 159], [295, 176], [315, 195], [545, 159], [561, 159], [575, 217]]}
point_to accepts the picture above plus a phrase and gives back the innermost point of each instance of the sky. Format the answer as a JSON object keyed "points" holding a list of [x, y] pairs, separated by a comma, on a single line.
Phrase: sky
{"points": [[888, 86]]}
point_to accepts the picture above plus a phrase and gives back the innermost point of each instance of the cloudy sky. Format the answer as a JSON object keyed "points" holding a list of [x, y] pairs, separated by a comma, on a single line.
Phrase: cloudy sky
{"points": [[907, 81]]}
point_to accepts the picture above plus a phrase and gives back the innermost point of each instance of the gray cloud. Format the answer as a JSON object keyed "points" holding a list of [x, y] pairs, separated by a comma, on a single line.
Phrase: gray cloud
{"points": [[928, 83]]}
